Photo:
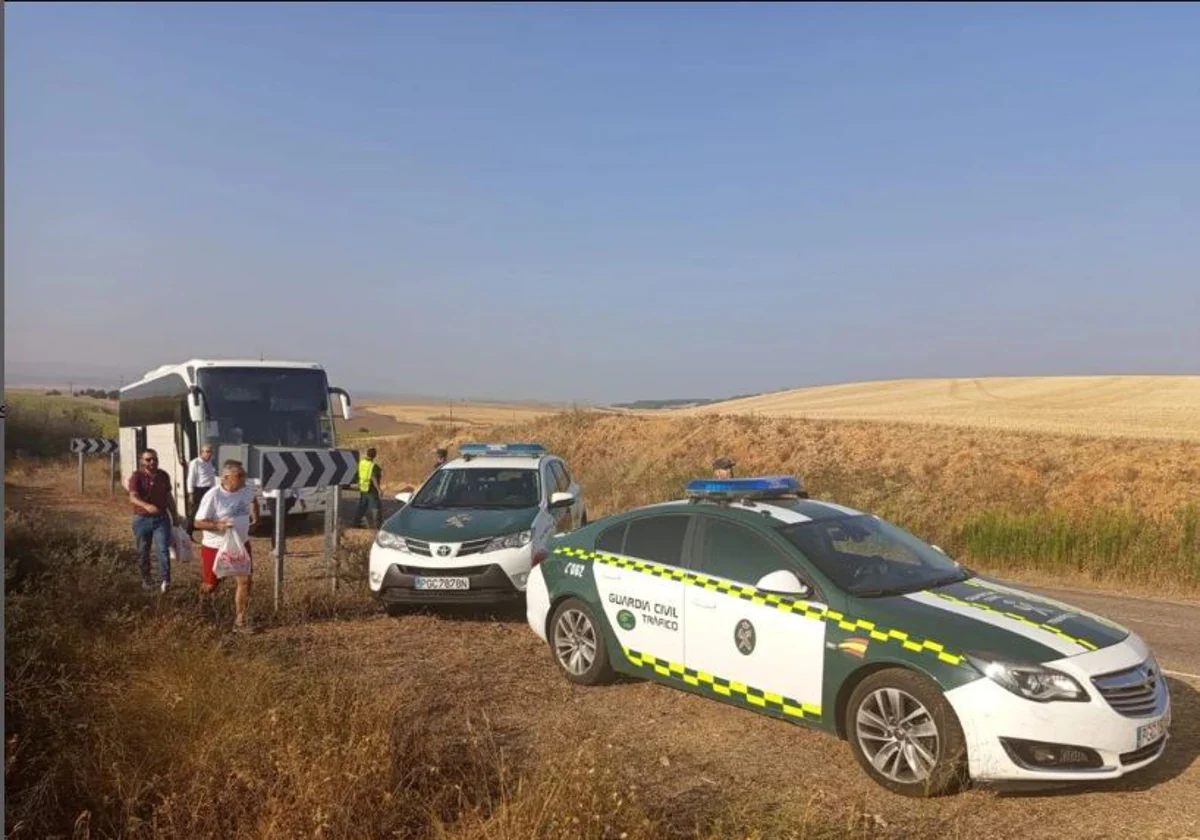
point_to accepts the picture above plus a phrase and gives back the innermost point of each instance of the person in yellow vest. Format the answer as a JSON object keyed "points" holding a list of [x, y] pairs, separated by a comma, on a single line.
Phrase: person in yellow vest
{"points": [[369, 478]]}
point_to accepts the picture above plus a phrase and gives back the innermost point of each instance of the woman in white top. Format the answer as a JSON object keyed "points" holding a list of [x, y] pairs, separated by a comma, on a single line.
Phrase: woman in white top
{"points": [[230, 505], [201, 477]]}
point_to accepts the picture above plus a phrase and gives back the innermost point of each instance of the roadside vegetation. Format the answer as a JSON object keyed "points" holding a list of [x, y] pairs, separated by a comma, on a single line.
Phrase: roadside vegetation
{"points": [[42, 424], [1076, 509], [129, 716]]}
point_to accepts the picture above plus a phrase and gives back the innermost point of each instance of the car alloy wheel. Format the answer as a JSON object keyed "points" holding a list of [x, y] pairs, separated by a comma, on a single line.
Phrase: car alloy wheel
{"points": [[575, 641], [898, 735]]}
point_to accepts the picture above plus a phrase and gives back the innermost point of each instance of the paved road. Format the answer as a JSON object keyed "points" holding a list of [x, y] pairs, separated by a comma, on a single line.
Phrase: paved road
{"points": [[1171, 628]]}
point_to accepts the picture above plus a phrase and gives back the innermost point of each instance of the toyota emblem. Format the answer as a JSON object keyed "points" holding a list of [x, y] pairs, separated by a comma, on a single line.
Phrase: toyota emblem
{"points": [[443, 551]]}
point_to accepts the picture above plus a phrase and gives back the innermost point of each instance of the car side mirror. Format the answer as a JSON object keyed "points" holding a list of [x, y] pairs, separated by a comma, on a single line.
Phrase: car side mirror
{"points": [[404, 496], [784, 582], [561, 500]]}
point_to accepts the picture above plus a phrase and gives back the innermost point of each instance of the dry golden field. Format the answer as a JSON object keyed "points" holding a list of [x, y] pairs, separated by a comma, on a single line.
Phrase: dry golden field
{"points": [[459, 412], [1162, 407]]}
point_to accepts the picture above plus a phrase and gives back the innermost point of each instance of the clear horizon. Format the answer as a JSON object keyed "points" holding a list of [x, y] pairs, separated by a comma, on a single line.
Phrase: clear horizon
{"points": [[603, 204]]}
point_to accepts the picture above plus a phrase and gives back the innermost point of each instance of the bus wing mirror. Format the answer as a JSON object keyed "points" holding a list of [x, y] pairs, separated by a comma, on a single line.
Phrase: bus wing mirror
{"points": [[195, 405], [344, 402]]}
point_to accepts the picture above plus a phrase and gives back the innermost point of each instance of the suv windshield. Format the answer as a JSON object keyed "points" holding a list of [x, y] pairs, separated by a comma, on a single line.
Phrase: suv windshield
{"points": [[868, 557], [479, 488]]}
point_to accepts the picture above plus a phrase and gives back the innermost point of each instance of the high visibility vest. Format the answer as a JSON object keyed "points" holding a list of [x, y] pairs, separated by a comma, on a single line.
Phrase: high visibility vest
{"points": [[365, 470]]}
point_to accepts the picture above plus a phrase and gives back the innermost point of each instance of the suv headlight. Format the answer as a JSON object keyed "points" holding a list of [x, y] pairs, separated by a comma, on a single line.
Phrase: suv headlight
{"points": [[387, 540], [517, 540], [1033, 682]]}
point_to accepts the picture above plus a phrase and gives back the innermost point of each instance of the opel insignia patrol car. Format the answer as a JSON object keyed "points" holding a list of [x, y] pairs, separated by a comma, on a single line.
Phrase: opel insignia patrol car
{"points": [[476, 526], [752, 594]]}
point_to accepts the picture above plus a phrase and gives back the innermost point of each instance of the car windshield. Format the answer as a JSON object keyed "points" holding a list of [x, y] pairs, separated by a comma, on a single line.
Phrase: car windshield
{"points": [[868, 557], [479, 488]]}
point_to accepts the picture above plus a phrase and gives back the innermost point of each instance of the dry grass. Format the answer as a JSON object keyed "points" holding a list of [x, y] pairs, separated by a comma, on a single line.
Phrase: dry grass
{"points": [[1111, 510], [1161, 407], [131, 716]]}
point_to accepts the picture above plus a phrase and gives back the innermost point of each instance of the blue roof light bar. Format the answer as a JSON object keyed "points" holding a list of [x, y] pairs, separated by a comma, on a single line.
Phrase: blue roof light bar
{"points": [[763, 487], [502, 450]]}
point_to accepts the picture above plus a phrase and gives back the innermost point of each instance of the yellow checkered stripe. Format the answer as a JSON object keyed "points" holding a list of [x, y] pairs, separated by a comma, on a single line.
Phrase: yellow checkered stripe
{"points": [[779, 602], [725, 688], [1028, 622]]}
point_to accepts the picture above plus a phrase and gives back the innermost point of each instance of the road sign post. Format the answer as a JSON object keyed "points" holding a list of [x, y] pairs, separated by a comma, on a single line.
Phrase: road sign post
{"points": [[280, 537], [306, 468], [95, 446]]}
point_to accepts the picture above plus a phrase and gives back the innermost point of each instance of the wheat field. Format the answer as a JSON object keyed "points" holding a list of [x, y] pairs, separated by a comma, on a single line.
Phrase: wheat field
{"points": [[460, 412], [1162, 407]]}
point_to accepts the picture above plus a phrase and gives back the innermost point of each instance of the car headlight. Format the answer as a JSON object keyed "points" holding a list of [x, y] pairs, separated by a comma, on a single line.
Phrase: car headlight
{"points": [[388, 540], [1025, 679], [517, 540]]}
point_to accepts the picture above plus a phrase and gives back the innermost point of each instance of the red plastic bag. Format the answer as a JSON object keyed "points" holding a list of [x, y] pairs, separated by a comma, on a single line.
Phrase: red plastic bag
{"points": [[233, 558]]}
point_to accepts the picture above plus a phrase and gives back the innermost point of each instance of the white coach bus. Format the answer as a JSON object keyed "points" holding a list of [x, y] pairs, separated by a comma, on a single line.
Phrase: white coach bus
{"points": [[241, 408]]}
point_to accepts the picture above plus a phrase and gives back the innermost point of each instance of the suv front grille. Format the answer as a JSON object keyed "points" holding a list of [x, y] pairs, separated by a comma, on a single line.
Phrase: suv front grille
{"points": [[417, 546], [1134, 692], [473, 546], [421, 547], [425, 571]]}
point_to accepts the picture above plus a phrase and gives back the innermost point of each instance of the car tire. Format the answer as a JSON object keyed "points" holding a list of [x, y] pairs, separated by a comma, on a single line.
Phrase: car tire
{"points": [[906, 735], [577, 644]]}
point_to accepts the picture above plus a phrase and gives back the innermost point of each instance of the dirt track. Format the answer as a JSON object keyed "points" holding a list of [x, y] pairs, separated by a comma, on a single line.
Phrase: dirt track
{"points": [[685, 754]]}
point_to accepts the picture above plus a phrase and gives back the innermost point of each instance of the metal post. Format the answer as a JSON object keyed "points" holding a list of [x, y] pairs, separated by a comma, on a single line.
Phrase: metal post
{"points": [[330, 527], [81, 473], [280, 535], [112, 474]]}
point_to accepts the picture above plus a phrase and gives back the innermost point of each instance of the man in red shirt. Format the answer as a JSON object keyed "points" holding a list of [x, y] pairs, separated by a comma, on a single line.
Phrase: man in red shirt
{"points": [[153, 516]]}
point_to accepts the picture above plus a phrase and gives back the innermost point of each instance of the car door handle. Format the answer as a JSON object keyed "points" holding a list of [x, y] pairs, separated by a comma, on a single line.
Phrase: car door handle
{"points": [[704, 605], [611, 574]]}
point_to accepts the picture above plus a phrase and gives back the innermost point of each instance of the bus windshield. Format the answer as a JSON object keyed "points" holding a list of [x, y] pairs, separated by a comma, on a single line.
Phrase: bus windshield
{"points": [[266, 407]]}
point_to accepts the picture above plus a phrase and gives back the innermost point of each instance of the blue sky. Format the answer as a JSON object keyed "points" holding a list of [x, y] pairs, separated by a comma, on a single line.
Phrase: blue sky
{"points": [[603, 203]]}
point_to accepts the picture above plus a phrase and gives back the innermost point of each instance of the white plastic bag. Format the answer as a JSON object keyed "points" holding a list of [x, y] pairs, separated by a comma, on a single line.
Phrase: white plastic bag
{"points": [[181, 545], [233, 558]]}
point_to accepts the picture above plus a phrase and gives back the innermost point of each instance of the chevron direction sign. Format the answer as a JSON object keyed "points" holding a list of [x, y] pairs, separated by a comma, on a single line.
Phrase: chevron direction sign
{"points": [[93, 446], [308, 468]]}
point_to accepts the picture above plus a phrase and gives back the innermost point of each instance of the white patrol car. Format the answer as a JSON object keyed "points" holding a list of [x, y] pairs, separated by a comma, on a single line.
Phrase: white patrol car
{"points": [[752, 594], [476, 527]]}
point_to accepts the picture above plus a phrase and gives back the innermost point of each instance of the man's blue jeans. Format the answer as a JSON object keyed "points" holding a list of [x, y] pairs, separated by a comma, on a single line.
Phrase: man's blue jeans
{"points": [[156, 529]]}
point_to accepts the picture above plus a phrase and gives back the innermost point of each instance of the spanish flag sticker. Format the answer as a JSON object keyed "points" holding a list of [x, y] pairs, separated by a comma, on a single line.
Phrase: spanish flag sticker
{"points": [[855, 646]]}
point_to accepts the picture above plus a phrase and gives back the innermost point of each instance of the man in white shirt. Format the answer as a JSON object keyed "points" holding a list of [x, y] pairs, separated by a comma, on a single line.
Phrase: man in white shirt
{"points": [[201, 477], [229, 505]]}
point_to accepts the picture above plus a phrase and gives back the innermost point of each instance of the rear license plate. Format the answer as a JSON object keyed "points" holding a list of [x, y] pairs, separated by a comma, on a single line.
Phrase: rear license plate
{"points": [[1152, 732], [442, 583]]}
